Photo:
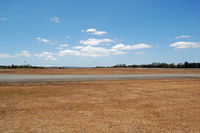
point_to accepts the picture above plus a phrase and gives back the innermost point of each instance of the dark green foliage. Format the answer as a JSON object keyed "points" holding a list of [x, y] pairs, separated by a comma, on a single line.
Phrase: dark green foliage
{"points": [[157, 65], [19, 67]]}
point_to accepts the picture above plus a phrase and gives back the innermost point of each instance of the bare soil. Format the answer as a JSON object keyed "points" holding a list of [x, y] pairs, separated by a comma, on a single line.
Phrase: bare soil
{"points": [[97, 71], [142, 106]]}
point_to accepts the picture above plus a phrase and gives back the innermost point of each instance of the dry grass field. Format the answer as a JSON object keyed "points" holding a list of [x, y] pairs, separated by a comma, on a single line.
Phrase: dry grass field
{"points": [[97, 71], [130, 106]]}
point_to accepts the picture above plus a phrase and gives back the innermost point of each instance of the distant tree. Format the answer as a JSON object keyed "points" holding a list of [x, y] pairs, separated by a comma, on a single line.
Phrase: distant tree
{"points": [[158, 65], [186, 64], [172, 65], [180, 65]]}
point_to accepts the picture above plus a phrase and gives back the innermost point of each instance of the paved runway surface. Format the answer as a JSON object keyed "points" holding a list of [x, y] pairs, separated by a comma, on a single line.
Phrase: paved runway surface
{"points": [[33, 78]]}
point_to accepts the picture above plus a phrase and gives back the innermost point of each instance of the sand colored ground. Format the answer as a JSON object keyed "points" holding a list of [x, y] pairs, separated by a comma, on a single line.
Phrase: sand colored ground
{"points": [[101, 106], [96, 71]]}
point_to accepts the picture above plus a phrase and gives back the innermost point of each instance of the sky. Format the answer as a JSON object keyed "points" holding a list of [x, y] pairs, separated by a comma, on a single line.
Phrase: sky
{"points": [[87, 33]]}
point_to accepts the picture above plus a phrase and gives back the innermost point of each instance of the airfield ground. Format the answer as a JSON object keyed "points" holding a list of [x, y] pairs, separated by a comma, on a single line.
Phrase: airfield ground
{"points": [[97, 71], [167, 105]]}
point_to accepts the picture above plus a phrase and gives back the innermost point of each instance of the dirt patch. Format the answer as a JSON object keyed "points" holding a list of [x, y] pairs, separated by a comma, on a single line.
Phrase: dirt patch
{"points": [[101, 106], [98, 71]]}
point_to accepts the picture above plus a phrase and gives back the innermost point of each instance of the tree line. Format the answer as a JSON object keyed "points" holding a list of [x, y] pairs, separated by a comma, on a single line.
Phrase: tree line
{"points": [[19, 66], [153, 65], [156, 65]]}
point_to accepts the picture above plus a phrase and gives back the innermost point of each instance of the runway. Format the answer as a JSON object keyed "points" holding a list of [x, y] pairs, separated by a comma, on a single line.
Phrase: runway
{"points": [[38, 78]]}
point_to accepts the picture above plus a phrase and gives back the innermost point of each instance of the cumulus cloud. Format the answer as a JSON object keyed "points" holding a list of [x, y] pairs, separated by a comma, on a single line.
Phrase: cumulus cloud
{"points": [[50, 57], [131, 47], [55, 19], [94, 41], [77, 47], [83, 51], [117, 52], [94, 51], [62, 46], [5, 56], [68, 52], [183, 45], [43, 54], [95, 32], [46, 55], [23, 53], [182, 36], [121, 48], [42, 40]]}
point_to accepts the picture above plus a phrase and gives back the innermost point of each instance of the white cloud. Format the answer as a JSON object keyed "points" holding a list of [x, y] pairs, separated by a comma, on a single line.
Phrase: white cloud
{"points": [[46, 55], [92, 51], [59, 48], [77, 47], [23, 53], [141, 46], [121, 47], [131, 47], [55, 19], [84, 51], [182, 36], [117, 52], [62, 46], [42, 40], [5, 56], [68, 52], [50, 57], [43, 54], [93, 41], [3, 19], [183, 45], [94, 31]]}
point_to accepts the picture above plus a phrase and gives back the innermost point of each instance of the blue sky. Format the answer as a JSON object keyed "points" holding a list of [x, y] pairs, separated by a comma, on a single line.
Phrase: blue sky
{"points": [[99, 32]]}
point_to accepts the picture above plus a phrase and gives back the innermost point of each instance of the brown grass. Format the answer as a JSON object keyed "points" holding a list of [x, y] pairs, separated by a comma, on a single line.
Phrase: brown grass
{"points": [[101, 106], [97, 71]]}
